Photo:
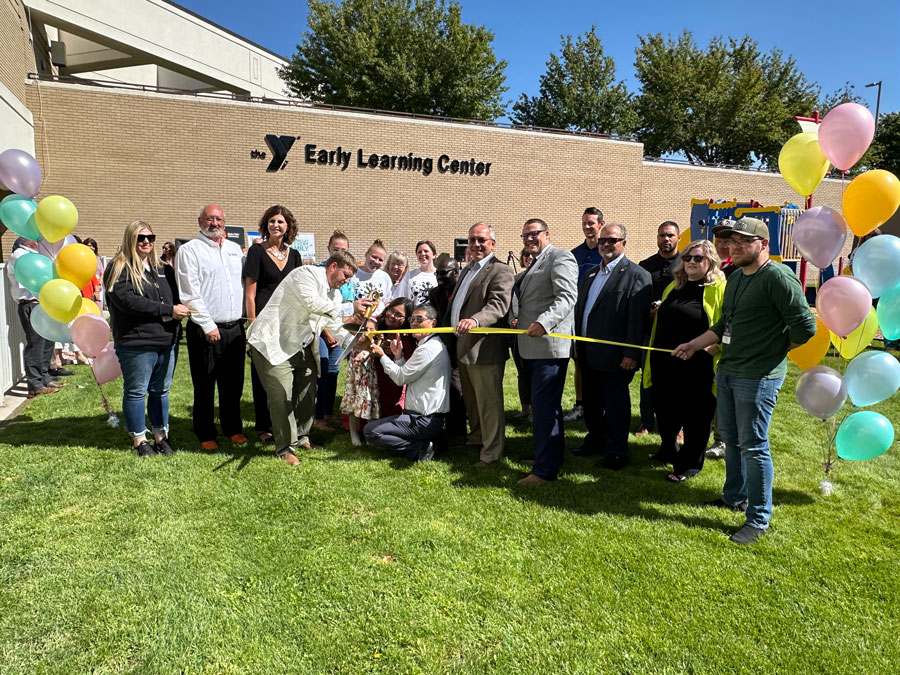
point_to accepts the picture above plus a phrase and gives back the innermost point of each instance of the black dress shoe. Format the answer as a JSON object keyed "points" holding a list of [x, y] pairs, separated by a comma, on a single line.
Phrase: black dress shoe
{"points": [[162, 447], [586, 451], [614, 462], [426, 454], [60, 372]]}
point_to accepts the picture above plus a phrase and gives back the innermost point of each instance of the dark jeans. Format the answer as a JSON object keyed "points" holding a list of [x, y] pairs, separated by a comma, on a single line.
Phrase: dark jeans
{"points": [[406, 434], [548, 379], [37, 352], [607, 409], [146, 373], [326, 387], [217, 365], [524, 380]]}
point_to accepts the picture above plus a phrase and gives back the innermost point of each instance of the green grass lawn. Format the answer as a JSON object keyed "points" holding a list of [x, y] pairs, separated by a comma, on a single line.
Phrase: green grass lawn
{"points": [[356, 562]]}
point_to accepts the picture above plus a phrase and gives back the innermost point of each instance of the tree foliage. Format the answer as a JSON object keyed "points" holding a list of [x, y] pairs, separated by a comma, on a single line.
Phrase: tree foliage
{"points": [[887, 143], [729, 103], [578, 91], [405, 55]]}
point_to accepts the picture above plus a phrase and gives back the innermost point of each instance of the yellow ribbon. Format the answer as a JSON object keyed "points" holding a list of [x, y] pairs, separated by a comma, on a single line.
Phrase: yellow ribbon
{"points": [[515, 331]]}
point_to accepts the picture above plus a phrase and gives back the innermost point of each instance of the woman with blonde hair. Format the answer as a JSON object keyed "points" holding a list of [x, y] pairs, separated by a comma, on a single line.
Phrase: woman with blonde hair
{"points": [[145, 313], [683, 391]]}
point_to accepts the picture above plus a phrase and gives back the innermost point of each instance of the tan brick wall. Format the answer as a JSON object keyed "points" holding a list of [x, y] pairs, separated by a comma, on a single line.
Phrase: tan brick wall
{"points": [[16, 55], [121, 155]]}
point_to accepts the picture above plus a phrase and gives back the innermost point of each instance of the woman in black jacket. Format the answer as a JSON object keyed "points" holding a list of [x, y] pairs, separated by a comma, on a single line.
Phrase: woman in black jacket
{"points": [[142, 298]]}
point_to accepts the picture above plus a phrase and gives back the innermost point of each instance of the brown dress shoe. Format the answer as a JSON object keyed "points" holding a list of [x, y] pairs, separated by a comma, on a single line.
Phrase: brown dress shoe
{"points": [[290, 458], [481, 464], [309, 445], [41, 390], [531, 479]]}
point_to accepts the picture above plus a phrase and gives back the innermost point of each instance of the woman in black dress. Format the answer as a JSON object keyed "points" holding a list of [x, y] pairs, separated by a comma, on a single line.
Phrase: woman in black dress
{"points": [[683, 395], [266, 265]]}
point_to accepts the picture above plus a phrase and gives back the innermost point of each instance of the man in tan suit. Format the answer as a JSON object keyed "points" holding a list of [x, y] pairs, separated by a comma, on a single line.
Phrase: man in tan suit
{"points": [[482, 298]]}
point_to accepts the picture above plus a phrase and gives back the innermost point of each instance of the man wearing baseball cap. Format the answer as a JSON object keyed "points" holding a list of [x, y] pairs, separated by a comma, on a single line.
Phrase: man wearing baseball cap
{"points": [[764, 315]]}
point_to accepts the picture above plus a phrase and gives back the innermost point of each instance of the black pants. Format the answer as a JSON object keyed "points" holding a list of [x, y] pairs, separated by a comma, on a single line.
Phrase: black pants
{"points": [[683, 399], [607, 408], [260, 401], [524, 380], [37, 352], [406, 434], [217, 365]]}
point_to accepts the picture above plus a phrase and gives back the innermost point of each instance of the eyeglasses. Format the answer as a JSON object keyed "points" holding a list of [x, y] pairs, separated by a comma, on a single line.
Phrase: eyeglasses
{"points": [[534, 234], [213, 219], [602, 241], [418, 319], [693, 258], [743, 241], [141, 238], [394, 315], [478, 240]]}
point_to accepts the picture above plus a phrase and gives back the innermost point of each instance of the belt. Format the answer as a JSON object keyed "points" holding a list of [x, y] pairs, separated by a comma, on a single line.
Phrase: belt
{"points": [[228, 324], [407, 411]]}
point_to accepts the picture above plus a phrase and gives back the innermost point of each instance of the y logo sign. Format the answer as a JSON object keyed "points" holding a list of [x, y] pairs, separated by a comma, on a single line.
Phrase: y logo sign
{"points": [[280, 147]]}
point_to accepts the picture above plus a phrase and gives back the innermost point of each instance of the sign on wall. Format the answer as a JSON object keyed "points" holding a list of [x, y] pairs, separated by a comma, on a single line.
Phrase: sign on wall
{"points": [[305, 242]]}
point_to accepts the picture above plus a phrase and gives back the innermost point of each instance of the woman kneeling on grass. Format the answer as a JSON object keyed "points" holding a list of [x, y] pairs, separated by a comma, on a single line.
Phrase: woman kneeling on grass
{"points": [[142, 298]]}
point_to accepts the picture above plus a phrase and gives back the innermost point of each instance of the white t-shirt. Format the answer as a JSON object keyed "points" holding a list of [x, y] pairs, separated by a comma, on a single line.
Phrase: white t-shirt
{"points": [[415, 285], [378, 280]]}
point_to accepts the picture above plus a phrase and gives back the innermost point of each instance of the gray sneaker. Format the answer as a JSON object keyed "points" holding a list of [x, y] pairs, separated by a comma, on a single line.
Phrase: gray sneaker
{"points": [[747, 535], [717, 451], [575, 414]]}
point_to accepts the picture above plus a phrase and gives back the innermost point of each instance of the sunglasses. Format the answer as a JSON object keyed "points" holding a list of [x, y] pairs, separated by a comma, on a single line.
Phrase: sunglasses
{"points": [[418, 319], [602, 241], [141, 238], [693, 258], [534, 234]]}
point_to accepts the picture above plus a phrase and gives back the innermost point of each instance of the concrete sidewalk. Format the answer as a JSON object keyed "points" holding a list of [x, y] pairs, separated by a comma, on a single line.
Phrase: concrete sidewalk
{"points": [[13, 401]]}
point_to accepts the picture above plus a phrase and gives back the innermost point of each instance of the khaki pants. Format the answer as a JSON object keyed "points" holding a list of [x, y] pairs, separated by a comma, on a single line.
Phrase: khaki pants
{"points": [[482, 387], [291, 388]]}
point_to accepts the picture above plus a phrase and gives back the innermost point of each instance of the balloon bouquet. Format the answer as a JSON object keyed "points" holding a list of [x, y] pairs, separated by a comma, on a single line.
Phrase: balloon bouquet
{"points": [[63, 314], [846, 317]]}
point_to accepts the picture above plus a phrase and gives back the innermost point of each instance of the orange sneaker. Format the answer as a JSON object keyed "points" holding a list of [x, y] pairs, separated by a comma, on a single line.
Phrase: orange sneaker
{"points": [[238, 439], [209, 445]]}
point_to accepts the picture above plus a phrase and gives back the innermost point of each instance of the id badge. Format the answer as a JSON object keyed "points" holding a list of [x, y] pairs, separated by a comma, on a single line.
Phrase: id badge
{"points": [[726, 335]]}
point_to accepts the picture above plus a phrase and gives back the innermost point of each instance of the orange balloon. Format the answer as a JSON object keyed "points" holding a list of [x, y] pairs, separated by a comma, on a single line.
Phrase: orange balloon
{"points": [[812, 353], [88, 306], [870, 200], [76, 263]]}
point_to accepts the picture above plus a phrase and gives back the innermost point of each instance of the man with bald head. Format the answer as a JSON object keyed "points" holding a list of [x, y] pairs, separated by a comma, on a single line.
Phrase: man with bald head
{"points": [[481, 299], [208, 269]]}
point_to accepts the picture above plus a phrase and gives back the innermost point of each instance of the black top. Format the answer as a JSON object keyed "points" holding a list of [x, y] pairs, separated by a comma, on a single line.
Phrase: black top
{"points": [[679, 319], [260, 267], [660, 272], [143, 319]]}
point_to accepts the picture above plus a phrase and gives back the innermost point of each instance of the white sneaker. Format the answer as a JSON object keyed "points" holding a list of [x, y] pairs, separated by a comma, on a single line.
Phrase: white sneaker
{"points": [[717, 451], [575, 414]]}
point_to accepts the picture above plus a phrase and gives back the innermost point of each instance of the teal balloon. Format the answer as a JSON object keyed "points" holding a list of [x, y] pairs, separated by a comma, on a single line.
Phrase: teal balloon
{"points": [[33, 270], [48, 327], [872, 377], [17, 213], [889, 314], [877, 264], [864, 435]]}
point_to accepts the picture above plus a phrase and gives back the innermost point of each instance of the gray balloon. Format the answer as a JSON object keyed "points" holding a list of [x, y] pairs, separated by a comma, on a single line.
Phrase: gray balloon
{"points": [[821, 391]]}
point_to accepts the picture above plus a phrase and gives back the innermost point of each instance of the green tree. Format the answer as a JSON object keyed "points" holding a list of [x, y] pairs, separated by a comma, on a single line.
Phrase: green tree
{"points": [[887, 143], [578, 92], [726, 104], [404, 55]]}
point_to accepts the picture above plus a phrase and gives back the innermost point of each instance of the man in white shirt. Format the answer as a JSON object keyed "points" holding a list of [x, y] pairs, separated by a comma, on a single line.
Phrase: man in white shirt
{"points": [[208, 270], [482, 298], [427, 378], [284, 346], [38, 351]]}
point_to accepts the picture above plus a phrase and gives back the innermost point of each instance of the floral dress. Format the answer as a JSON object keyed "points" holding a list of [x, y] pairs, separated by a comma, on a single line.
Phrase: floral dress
{"points": [[361, 388]]}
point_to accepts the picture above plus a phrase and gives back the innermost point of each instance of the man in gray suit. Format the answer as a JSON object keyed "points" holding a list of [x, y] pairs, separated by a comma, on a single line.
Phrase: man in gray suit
{"points": [[547, 295], [482, 298]]}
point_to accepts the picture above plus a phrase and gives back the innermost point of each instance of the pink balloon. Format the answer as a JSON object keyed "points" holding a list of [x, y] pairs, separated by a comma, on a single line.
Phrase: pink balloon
{"points": [[846, 133], [819, 234], [20, 172], [843, 303], [90, 333], [106, 365]]}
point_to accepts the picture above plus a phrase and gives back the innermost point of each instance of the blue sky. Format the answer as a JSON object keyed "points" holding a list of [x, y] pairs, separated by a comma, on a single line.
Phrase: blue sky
{"points": [[832, 42]]}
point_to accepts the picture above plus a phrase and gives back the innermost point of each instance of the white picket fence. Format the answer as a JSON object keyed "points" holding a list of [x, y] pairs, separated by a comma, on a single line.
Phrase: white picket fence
{"points": [[11, 363]]}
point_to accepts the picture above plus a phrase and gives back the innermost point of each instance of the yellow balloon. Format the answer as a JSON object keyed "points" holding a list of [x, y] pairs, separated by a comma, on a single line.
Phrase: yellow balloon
{"points": [[77, 263], [55, 217], [88, 306], [61, 299], [859, 339], [802, 163], [870, 200], [810, 354]]}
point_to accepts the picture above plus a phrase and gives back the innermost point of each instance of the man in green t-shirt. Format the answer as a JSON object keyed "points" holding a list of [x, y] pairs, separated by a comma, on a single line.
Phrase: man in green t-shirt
{"points": [[764, 314]]}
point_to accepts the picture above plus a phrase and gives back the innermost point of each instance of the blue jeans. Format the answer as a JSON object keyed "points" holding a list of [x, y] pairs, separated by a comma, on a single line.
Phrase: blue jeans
{"points": [[326, 385], [146, 371], [745, 409]]}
